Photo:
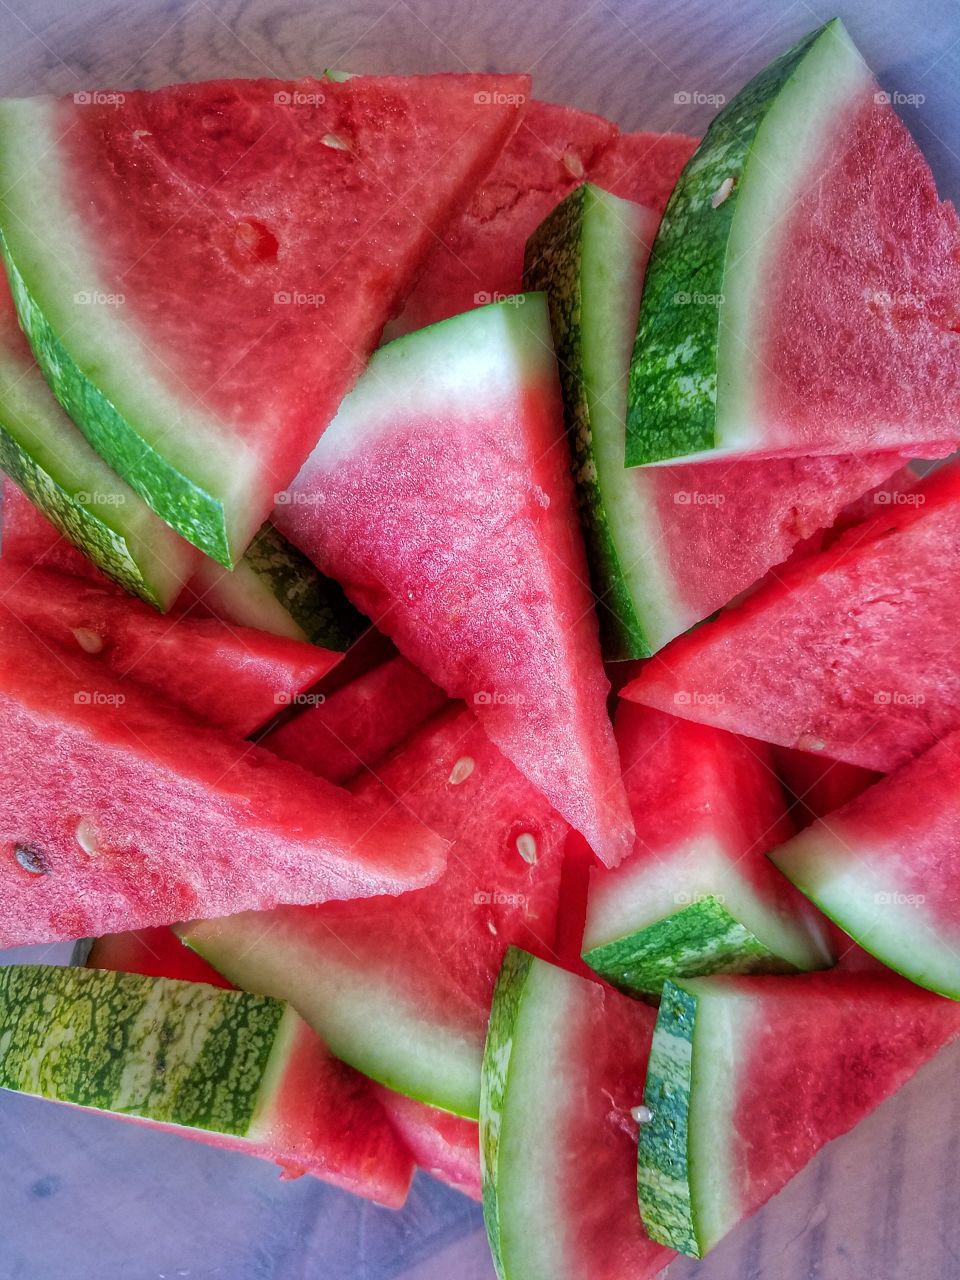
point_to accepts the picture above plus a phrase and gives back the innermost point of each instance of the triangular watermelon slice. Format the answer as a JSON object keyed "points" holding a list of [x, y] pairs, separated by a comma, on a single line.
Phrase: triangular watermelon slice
{"points": [[323, 1119], [118, 811], [802, 294], [441, 499], [233, 677], [402, 990], [480, 256], [750, 1077], [850, 653], [227, 255], [667, 545], [563, 1073]]}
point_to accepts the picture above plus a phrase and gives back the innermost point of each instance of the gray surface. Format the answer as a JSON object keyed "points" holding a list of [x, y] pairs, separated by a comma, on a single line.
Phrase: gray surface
{"points": [[85, 1198]]}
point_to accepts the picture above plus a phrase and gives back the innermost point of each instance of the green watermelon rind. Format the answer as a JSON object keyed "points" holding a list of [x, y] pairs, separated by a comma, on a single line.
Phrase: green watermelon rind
{"points": [[177, 1053], [701, 939], [703, 278], [584, 256], [865, 905]]}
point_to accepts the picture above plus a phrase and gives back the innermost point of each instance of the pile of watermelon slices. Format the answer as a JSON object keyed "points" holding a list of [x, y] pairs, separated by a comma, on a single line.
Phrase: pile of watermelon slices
{"points": [[362, 435]]}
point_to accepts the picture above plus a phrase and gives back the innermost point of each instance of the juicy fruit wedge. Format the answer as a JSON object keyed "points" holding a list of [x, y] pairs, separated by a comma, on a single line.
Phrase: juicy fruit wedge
{"points": [[86, 502], [354, 727], [117, 812], [323, 1118], [668, 545], [440, 497], [232, 677], [402, 990], [886, 868], [698, 895], [750, 1077], [848, 654], [303, 212], [443, 1145], [801, 296], [563, 1071], [480, 256]]}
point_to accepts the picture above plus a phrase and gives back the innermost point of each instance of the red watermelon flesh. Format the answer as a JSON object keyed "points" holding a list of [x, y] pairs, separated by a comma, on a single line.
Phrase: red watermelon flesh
{"points": [[443, 1145], [302, 212], [850, 653], [874, 207], [480, 257], [324, 1119], [643, 167], [402, 990], [353, 728], [233, 677], [819, 786], [441, 499], [117, 811], [28, 537]]}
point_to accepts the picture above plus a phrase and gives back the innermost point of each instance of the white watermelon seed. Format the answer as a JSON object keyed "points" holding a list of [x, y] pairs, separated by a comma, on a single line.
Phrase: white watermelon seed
{"points": [[722, 192], [642, 1115], [88, 640], [573, 164], [527, 847], [462, 770], [87, 838], [338, 144]]}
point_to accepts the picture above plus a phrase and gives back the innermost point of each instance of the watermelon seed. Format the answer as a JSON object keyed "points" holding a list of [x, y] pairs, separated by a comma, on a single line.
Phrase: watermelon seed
{"points": [[86, 838], [88, 640], [31, 859], [338, 144], [722, 192], [492, 927], [642, 1115], [462, 770], [573, 165], [527, 847]]}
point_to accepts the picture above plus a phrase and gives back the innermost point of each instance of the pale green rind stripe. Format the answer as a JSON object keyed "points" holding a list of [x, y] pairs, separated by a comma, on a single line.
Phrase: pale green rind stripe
{"points": [[663, 1166], [507, 1000], [178, 1053], [701, 939], [673, 382]]}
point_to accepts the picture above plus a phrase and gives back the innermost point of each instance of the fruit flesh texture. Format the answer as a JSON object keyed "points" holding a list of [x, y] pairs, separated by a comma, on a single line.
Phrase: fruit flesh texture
{"points": [[84, 855], [236, 678], [487, 594], [403, 993], [819, 786], [847, 654], [324, 1119], [443, 1145], [563, 1069], [643, 167], [302, 297]]}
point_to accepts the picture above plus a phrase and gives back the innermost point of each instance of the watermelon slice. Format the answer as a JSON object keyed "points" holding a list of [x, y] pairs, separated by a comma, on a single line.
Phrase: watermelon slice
{"points": [[445, 1146], [750, 1077], [819, 786], [480, 257], [698, 895], [353, 728], [849, 653], [83, 499], [481, 584], [232, 677], [402, 990], [324, 1119], [118, 812], [668, 545], [235, 1070], [802, 295], [643, 167], [886, 868], [563, 1073], [303, 212]]}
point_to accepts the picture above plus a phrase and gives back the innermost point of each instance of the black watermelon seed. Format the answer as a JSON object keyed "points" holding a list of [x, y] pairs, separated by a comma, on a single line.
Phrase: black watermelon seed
{"points": [[31, 859]]}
